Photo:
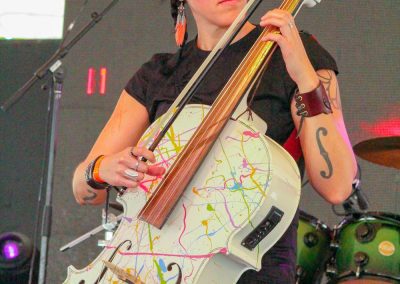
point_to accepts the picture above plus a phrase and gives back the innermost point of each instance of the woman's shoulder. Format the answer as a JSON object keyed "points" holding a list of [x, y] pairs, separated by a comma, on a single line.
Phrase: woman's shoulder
{"points": [[156, 63], [150, 72]]}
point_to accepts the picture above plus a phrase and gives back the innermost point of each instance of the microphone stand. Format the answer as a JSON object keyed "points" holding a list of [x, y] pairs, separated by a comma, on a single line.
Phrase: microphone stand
{"points": [[52, 65], [55, 95]]}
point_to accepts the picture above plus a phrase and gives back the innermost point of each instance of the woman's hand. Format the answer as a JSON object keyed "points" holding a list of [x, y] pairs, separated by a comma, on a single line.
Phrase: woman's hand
{"points": [[297, 63], [126, 169]]}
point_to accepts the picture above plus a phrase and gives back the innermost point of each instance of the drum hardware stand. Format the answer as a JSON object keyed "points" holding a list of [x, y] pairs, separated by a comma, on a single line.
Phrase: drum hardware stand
{"points": [[334, 244], [331, 270], [319, 225]]}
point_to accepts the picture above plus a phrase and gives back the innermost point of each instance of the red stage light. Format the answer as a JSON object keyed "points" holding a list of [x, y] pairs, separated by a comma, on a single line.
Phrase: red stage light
{"points": [[103, 81], [91, 82], [383, 127]]}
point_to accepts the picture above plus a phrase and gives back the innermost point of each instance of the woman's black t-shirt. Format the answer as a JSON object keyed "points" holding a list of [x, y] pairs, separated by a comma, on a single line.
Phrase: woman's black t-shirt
{"points": [[157, 89]]}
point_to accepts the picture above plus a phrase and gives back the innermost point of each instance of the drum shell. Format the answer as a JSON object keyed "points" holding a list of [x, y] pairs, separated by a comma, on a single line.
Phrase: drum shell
{"points": [[382, 247], [312, 258]]}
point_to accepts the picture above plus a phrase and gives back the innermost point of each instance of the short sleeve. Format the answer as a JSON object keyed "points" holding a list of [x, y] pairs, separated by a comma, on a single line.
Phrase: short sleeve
{"points": [[149, 73], [137, 85]]}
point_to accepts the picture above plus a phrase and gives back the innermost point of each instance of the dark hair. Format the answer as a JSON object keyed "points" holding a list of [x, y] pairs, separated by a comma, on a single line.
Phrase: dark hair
{"points": [[175, 60], [174, 9]]}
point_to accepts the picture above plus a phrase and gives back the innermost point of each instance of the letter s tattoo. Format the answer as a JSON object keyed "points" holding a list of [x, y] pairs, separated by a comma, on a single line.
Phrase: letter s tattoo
{"points": [[324, 154]]}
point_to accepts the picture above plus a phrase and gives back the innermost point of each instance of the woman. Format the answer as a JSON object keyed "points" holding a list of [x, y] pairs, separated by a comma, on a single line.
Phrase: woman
{"points": [[301, 63]]}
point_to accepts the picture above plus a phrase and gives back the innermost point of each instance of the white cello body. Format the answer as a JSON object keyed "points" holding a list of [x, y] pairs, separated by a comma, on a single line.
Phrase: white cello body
{"points": [[211, 235]]}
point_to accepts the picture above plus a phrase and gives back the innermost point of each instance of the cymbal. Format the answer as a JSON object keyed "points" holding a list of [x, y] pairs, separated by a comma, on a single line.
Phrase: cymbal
{"points": [[383, 151]]}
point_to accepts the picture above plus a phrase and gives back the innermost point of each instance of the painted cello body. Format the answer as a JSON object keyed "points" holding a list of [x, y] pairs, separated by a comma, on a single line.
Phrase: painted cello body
{"points": [[215, 231]]}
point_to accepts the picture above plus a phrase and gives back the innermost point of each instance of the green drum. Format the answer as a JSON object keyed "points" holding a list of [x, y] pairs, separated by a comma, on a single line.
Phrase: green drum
{"points": [[368, 249], [313, 241]]}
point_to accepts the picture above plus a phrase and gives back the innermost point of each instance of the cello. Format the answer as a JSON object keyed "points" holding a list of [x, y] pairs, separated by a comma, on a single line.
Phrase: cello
{"points": [[229, 193]]}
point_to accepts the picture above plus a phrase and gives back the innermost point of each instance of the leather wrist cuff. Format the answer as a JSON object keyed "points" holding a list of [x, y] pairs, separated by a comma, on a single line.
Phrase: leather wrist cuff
{"points": [[89, 175], [313, 103]]}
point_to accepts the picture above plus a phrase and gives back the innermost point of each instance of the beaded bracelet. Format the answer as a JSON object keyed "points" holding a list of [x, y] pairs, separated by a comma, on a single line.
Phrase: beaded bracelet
{"points": [[92, 174]]}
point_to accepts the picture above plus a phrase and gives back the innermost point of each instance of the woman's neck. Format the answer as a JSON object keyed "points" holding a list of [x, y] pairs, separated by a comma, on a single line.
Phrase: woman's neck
{"points": [[208, 38]]}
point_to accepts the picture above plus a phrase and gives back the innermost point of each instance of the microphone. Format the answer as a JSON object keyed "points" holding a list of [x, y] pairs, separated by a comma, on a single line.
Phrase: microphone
{"points": [[357, 202], [361, 198]]}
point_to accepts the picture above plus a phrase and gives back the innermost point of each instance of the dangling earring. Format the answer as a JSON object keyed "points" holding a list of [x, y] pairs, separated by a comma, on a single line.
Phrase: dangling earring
{"points": [[180, 27]]}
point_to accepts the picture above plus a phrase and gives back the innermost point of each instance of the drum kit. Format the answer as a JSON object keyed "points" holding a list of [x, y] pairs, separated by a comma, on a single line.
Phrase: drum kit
{"points": [[364, 248]]}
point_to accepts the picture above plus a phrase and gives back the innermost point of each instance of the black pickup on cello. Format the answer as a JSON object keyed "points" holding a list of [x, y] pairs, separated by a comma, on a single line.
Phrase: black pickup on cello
{"points": [[273, 217]]}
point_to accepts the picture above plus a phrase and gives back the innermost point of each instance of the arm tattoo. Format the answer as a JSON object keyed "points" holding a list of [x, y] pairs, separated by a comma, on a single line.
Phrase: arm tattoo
{"points": [[90, 197], [333, 96], [324, 154]]}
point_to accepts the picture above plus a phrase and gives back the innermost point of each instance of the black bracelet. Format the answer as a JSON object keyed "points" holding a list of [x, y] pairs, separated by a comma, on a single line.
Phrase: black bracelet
{"points": [[89, 176]]}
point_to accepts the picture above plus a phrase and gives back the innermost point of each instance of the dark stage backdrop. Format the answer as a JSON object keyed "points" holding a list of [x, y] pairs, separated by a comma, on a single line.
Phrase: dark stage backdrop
{"points": [[22, 133], [363, 35]]}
